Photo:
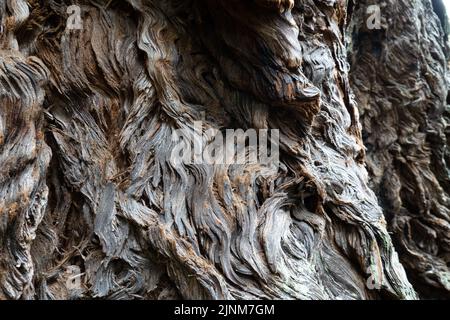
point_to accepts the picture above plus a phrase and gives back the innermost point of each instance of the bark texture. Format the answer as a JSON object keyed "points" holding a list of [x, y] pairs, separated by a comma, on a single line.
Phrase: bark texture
{"points": [[86, 124], [400, 78]]}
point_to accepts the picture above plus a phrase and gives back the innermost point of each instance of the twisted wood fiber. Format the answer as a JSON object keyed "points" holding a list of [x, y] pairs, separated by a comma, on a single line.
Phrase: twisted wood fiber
{"points": [[86, 121], [400, 78]]}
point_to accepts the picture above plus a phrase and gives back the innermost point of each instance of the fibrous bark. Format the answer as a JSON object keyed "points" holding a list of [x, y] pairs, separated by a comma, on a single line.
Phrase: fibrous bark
{"points": [[400, 78], [86, 125]]}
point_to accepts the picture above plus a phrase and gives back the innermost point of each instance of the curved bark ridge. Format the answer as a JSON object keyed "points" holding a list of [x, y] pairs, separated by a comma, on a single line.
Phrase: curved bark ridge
{"points": [[399, 75], [24, 157], [111, 202]]}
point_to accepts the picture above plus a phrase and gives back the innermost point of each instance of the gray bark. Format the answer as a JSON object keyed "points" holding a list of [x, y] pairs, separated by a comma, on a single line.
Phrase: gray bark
{"points": [[86, 125], [400, 78]]}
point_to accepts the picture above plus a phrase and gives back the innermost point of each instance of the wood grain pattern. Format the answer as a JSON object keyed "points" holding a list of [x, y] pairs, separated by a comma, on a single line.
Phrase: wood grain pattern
{"points": [[86, 124]]}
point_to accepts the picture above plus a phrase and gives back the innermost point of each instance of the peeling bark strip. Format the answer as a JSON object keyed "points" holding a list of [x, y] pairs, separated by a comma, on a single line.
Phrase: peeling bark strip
{"points": [[399, 75], [92, 206]]}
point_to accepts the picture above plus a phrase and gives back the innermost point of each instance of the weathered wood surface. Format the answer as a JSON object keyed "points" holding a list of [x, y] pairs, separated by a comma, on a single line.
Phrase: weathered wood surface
{"points": [[86, 121], [400, 78]]}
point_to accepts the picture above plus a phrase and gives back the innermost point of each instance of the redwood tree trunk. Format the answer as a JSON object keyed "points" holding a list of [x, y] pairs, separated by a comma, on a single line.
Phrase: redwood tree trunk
{"points": [[399, 75], [88, 188]]}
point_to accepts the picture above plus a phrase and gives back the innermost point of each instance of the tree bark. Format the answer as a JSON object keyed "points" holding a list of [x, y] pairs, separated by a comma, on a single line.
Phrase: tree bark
{"points": [[87, 118], [400, 79]]}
